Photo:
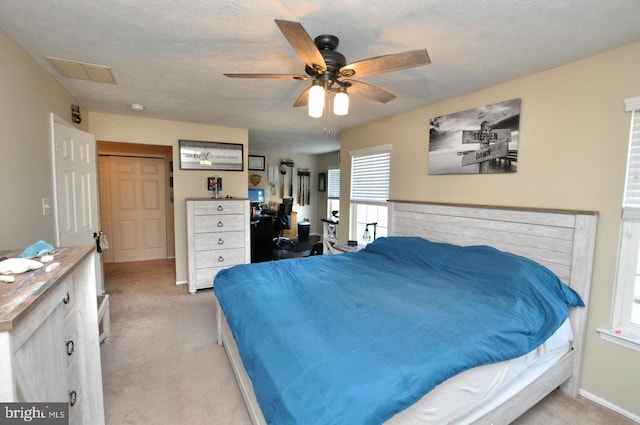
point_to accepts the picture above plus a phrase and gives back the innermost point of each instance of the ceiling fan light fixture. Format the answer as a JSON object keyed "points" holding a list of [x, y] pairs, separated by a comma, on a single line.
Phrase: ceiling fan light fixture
{"points": [[341, 102], [316, 100]]}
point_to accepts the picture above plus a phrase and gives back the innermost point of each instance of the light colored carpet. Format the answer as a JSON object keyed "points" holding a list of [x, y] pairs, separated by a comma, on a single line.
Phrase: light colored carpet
{"points": [[162, 364]]}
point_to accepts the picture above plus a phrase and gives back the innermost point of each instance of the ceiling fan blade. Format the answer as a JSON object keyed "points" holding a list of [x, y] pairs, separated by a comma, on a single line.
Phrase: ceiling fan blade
{"points": [[367, 90], [387, 63], [279, 76], [304, 46], [303, 99]]}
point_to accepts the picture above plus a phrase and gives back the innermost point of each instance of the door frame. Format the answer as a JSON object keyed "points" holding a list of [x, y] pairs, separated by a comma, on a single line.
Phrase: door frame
{"points": [[111, 148]]}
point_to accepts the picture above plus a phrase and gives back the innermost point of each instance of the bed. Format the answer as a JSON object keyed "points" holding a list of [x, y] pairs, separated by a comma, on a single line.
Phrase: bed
{"points": [[377, 367]]}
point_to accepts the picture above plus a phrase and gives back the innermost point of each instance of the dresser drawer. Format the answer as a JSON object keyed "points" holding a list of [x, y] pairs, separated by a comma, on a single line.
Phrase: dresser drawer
{"points": [[222, 240], [213, 207], [220, 258], [219, 223], [204, 277]]}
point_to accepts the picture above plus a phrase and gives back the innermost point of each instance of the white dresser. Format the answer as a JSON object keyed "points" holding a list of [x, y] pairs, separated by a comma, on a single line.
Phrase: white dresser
{"points": [[218, 237], [49, 343]]}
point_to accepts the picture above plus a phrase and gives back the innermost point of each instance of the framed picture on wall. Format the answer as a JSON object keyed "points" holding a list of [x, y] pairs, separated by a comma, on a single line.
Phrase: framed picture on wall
{"points": [[483, 140], [197, 155], [256, 162], [322, 182]]}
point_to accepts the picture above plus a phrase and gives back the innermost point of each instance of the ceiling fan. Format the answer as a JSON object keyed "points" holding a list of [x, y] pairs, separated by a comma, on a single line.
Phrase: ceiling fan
{"points": [[330, 72]]}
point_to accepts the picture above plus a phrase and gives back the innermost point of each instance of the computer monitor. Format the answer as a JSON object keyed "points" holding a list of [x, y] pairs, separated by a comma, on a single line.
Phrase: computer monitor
{"points": [[256, 195]]}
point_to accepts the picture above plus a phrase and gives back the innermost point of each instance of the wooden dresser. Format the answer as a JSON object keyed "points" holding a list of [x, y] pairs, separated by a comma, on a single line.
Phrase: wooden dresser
{"points": [[218, 236], [49, 343]]}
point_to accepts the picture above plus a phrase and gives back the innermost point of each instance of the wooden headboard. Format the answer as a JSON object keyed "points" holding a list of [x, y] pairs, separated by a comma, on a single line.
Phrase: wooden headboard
{"points": [[562, 240]]}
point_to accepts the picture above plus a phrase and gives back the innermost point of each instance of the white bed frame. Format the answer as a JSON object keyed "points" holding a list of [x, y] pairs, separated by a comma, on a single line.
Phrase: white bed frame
{"points": [[562, 240]]}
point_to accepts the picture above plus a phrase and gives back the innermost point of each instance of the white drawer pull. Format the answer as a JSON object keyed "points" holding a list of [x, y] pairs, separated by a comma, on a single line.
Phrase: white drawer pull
{"points": [[66, 299], [220, 241], [220, 224], [220, 259], [220, 208], [73, 397]]}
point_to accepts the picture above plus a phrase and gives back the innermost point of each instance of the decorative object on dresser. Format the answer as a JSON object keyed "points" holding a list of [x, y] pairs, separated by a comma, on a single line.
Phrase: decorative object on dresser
{"points": [[49, 343], [214, 184], [218, 236]]}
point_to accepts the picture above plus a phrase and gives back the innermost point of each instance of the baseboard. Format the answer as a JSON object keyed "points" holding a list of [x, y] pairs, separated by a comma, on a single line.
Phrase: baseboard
{"points": [[182, 282], [609, 405]]}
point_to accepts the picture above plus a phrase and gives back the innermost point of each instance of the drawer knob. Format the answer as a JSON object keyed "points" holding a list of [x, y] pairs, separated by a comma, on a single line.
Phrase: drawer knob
{"points": [[221, 259], [220, 224], [73, 397], [220, 241], [220, 208], [66, 299], [70, 348]]}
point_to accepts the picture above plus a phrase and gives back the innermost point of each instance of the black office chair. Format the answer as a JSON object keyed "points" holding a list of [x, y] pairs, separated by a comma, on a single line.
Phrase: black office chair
{"points": [[283, 221]]}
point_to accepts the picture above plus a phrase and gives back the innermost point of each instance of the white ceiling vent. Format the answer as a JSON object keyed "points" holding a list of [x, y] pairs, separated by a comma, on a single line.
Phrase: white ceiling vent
{"points": [[83, 71]]}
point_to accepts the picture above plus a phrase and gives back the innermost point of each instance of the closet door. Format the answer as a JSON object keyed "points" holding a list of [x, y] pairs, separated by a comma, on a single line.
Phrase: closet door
{"points": [[138, 209]]}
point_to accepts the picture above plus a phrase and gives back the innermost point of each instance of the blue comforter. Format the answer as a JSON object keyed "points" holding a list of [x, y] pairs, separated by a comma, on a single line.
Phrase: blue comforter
{"points": [[355, 338]]}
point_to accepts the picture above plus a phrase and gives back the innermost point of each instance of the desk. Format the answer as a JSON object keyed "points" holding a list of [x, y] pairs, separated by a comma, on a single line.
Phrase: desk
{"points": [[261, 238]]}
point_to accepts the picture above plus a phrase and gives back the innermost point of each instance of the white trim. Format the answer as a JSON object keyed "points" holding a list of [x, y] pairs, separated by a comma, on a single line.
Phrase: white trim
{"points": [[632, 104], [619, 338], [374, 150], [630, 212], [609, 405]]}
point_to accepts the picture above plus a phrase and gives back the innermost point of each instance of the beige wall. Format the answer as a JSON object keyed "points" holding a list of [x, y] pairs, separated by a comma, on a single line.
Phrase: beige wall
{"points": [[325, 161], [186, 183], [572, 154], [28, 97]]}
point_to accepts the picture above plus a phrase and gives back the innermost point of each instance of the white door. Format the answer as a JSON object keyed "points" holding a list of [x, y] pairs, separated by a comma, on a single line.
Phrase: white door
{"points": [[137, 209], [76, 189]]}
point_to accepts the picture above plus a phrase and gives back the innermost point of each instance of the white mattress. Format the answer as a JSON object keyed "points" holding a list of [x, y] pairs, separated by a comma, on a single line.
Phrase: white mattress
{"points": [[465, 396]]}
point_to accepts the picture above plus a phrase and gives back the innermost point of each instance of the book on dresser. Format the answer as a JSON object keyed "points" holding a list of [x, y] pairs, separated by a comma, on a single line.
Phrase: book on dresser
{"points": [[218, 236]]}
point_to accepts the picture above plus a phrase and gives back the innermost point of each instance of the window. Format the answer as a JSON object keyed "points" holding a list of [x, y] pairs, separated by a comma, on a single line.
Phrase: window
{"points": [[626, 310], [333, 190], [370, 169]]}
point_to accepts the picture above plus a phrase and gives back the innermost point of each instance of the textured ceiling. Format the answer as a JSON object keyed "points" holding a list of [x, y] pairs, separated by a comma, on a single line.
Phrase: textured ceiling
{"points": [[169, 55]]}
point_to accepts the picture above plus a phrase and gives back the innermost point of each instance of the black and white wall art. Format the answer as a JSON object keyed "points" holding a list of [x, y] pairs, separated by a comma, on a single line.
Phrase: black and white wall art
{"points": [[476, 141]]}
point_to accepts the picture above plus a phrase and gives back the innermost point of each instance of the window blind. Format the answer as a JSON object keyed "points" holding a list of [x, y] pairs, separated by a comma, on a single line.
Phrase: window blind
{"points": [[333, 183], [631, 203], [370, 175]]}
